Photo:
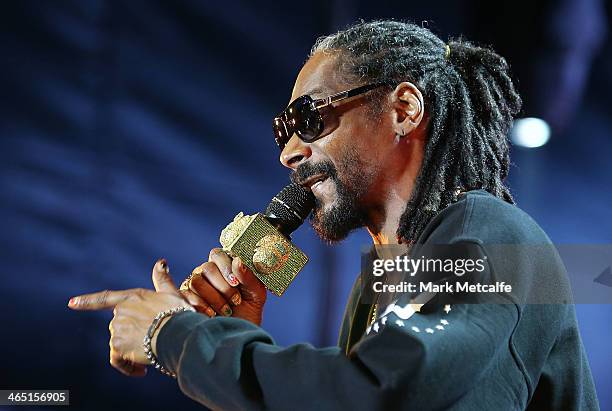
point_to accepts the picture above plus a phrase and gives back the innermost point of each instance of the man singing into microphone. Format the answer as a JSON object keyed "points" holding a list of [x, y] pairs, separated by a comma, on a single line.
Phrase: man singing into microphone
{"points": [[416, 152]]}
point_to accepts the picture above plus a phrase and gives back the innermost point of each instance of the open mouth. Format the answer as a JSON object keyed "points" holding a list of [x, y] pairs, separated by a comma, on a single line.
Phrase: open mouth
{"points": [[314, 181]]}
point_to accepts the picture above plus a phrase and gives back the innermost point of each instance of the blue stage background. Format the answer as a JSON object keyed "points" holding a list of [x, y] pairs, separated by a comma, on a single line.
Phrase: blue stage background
{"points": [[134, 130]]}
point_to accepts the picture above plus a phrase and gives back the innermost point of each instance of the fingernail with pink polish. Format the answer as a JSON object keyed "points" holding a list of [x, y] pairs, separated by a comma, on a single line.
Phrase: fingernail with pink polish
{"points": [[73, 301], [233, 281]]}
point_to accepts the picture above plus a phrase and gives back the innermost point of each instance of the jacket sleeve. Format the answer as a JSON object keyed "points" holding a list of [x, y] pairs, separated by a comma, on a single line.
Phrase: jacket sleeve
{"points": [[424, 361]]}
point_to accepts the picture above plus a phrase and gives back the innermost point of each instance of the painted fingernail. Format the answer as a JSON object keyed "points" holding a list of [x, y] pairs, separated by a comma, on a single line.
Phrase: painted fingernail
{"points": [[226, 310], [210, 312], [236, 299], [233, 281], [73, 301], [162, 264]]}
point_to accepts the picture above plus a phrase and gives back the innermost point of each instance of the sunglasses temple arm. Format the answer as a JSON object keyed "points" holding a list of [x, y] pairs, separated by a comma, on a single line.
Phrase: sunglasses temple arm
{"points": [[345, 94], [331, 99]]}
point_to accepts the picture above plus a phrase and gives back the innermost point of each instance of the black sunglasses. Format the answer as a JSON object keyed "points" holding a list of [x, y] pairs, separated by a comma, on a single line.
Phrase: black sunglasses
{"points": [[303, 116]]}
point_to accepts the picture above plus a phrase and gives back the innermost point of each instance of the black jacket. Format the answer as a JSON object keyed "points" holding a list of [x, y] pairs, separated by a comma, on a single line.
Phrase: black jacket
{"points": [[453, 354]]}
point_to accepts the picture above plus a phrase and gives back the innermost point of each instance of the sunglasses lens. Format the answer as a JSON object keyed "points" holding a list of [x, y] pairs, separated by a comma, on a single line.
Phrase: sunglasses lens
{"points": [[302, 118], [305, 118], [281, 133]]}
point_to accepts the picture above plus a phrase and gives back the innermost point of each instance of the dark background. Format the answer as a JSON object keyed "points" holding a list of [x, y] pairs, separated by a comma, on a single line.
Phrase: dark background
{"points": [[131, 130]]}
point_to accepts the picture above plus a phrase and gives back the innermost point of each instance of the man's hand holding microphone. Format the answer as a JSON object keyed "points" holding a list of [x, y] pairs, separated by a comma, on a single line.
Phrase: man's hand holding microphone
{"points": [[222, 286]]}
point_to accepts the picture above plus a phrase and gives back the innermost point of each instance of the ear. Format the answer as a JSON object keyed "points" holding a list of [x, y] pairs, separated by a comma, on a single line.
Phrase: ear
{"points": [[408, 108]]}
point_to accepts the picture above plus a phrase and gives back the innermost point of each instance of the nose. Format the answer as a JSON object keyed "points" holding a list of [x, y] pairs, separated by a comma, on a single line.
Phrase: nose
{"points": [[295, 153]]}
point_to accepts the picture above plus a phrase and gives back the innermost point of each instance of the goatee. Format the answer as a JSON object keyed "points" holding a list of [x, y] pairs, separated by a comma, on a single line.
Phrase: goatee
{"points": [[334, 222]]}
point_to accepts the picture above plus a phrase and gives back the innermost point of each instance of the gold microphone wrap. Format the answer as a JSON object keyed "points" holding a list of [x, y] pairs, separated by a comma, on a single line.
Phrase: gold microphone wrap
{"points": [[263, 242]]}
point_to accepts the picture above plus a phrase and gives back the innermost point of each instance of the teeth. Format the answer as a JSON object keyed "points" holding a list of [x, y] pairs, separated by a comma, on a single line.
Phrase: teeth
{"points": [[319, 180], [316, 183]]}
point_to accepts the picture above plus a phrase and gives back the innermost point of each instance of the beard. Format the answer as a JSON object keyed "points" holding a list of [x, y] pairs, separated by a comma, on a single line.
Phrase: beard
{"points": [[334, 222]]}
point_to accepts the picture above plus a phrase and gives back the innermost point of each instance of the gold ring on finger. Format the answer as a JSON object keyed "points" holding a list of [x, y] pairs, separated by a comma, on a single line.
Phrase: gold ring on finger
{"points": [[185, 284]]}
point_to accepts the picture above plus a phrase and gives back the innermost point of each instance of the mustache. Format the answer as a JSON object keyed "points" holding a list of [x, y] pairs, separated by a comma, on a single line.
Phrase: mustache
{"points": [[307, 170]]}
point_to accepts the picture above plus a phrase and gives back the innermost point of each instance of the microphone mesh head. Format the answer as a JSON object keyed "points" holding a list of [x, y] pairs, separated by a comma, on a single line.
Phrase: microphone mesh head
{"points": [[290, 207]]}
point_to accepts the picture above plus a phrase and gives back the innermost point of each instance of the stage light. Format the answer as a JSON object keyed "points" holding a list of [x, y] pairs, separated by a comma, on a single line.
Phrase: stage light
{"points": [[530, 132]]}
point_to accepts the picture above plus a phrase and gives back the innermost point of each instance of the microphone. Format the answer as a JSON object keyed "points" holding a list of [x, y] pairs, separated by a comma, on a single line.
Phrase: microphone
{"points": [[263, 242]]}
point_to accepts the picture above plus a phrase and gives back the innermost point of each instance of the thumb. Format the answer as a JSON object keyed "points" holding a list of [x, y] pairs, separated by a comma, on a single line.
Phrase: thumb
{"points": [[161, 278], [252, 288]]}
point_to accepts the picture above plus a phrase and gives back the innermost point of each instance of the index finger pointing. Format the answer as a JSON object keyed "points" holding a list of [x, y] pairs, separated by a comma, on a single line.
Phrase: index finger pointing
{"points": [[99, 301]]}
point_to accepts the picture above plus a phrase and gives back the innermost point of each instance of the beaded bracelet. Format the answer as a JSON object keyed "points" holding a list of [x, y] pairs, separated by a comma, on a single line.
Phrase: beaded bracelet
{"points": [[151, 332]]}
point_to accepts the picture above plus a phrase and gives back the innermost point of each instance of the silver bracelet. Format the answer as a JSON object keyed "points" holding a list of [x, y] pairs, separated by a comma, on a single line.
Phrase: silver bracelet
{"points": [[151, 331]]}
